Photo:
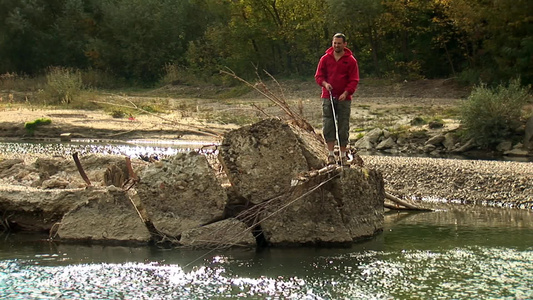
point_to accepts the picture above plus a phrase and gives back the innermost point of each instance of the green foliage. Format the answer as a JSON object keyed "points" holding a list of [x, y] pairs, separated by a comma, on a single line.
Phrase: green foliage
{"points": [[63, 85], [32, 126], [142, 41], [491, 115], [137, 38], [418, 121]]}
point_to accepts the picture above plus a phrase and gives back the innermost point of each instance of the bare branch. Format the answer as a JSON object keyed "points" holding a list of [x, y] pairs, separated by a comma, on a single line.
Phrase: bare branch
{"points": [[197, 129]]}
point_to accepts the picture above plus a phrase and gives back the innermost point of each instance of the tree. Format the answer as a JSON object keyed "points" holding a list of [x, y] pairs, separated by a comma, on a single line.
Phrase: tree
{"points": [[137, 37]]}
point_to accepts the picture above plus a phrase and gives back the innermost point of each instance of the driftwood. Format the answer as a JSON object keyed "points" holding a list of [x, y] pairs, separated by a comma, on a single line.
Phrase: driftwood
{"points": [[406, 206], [80, 168]]}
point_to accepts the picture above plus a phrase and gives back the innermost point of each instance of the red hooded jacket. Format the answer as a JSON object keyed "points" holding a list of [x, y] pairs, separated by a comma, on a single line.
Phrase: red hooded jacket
{"points": [[343, 75]]}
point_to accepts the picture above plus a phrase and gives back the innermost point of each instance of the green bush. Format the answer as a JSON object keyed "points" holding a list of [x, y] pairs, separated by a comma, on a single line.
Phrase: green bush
{"points": [[63, 85], [31, 126], [491, 115]]}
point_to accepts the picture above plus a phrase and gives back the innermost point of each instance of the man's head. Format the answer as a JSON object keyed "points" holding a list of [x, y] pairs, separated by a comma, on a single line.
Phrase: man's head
{"points": [[339, 42]]}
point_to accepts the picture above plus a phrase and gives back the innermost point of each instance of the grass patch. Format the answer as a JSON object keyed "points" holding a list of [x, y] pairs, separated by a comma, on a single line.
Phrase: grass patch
{"points": [[32, 126]]}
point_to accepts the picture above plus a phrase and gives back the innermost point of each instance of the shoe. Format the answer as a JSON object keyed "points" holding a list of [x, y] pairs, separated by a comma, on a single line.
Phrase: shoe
{"points": [[344, 161], [331, 160]]}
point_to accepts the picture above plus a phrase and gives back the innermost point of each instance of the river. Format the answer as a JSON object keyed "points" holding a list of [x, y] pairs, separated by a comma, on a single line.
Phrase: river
{"points": [[453, 253]]}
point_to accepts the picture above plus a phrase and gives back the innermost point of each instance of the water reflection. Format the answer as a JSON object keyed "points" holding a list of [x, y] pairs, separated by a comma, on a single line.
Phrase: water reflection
{"points": [[453, 253], [83, 147]]}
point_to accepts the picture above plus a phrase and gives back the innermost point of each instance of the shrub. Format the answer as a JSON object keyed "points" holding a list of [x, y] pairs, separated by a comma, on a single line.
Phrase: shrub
{"points": [[63, 85], [418, 121], [16, 82], [31, 126], [490, 115]]}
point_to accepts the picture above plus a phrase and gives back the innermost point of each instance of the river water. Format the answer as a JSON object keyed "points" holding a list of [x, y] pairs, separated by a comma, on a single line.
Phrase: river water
{"points": [[456, 252], [453, 253]]}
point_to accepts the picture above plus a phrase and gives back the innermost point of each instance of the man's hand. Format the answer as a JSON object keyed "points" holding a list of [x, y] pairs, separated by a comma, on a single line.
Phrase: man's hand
{"points": [[343, 96], [327, 86]]}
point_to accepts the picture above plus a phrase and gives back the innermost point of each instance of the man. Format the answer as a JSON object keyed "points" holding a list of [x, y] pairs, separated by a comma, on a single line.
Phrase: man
{"points": [[337, 73]]}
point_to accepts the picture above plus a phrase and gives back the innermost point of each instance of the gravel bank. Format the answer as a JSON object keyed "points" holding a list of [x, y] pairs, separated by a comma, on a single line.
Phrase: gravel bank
{"points": [[497, 183]]}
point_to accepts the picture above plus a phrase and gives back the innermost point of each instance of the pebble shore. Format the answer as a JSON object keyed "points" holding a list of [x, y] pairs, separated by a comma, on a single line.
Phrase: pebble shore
{"points": [[483, 182], [480, 182]]}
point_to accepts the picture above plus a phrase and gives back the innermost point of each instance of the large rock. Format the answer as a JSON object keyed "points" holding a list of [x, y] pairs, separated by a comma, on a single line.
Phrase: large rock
{"points": [[225, 233], [181, 193], [361, 193], [386, 144], [348, 208], [39, 194], [108, 215], [312, 146], [32, 209], [374, 135], [260, 160], [364, 144], [311, 220]]}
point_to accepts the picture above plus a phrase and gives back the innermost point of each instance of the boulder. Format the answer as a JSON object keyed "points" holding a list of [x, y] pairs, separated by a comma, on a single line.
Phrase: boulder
{"points": [[32, 209], [386, 144], [265, 165], [181, 193], [312, 219], [449, 141], [11, 167], [364, 144], [373, 135], [504, 146], [261, 159], [108, 215], [517, 151], [436, 140], [467, 146], [361, 193], [312, 146], [225, 233], [39, 194], [347, 208]]}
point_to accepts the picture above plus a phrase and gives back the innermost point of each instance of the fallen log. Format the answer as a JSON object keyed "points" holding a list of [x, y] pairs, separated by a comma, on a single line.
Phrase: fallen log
{"points": [[407, 206]]}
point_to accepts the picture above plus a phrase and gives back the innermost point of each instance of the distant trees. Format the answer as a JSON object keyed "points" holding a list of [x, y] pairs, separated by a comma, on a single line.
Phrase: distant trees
{"points": [[474, 40]]}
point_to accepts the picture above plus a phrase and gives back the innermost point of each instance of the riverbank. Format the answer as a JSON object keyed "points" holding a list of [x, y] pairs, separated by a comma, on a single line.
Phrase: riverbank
{"points": [[418, 179], [198, 119], [480, 182]]}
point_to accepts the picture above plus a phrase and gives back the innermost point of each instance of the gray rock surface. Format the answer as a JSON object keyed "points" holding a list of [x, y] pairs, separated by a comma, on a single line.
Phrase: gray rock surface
{"points": [[347, 208], [225, 233], [260, 160], [107, 215], [181, 193], [387, 143], [32, 209]]}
